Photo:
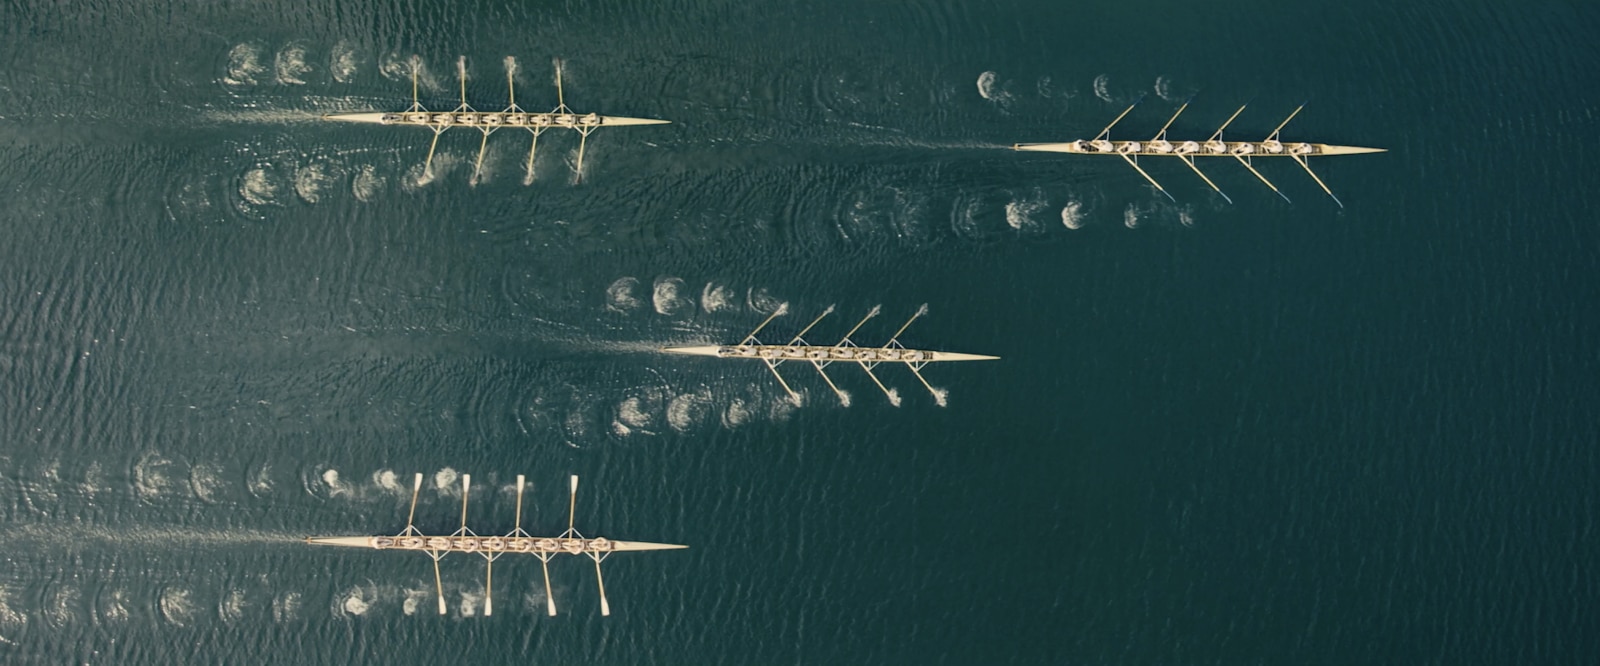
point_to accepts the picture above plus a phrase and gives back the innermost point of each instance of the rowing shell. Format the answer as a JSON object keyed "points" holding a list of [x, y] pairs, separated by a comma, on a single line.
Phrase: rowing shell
{"points": [[844, 354], [490, 544], [844, 351], [562, 117], [477, 120], [1187, 151], [1196, 149]]}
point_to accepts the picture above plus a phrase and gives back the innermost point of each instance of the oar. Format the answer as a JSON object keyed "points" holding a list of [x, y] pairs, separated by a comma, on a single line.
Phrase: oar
{"points": [[416, 486], [870, 314], [517, 531], [920, 311], [1252, 169], [438, 585], [572, 505], [1189, 160], [549, 597], [783, 308], [1153, 182], [1274, 135], [605, 607], [894, 396], [488, 590], [844, 398], [1301, 160], [1226, 124], [466, 487], [809, 326], [940, 396], [1118, 119], [1163, 131], [793, 397]]}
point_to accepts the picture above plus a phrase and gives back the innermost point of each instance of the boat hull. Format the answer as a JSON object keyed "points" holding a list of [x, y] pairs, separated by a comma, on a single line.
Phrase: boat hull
{"points": [[1233, 148], [827, 354], [493, 120], [489, 544]]}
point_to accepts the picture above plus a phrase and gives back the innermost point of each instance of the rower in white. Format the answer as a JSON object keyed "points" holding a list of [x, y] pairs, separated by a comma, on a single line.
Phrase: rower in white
{"points": [[464, 540]]}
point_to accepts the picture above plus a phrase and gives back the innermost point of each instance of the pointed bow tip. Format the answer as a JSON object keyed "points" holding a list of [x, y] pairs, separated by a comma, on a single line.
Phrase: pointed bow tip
{"points": [[706, 350]]}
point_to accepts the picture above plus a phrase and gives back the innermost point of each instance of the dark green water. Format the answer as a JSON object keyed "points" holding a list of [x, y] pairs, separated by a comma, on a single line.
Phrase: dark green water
{"points": [[1248, 433]]}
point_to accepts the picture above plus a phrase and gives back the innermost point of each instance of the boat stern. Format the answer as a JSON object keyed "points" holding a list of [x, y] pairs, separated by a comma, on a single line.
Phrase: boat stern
{"points": [[344, 541], [953, 356], [1324, 149], [1049, 147], [620, 121], [376, 118], [708, 350]]}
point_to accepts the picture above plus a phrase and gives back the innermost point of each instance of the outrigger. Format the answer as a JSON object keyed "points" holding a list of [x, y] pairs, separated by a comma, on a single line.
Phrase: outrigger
{"points": [[1187, 151], [843, 351], [562, 117], [464, 540]]}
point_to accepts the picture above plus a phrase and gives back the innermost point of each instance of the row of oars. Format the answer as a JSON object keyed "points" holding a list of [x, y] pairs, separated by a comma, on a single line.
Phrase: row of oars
{"points": [[491, 556]]}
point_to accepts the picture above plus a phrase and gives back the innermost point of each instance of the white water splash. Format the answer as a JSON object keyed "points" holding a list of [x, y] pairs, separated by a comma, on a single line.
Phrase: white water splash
{"points": [[414, 600], [668, 296], [58, 610], [261, 482], [231, 608], [632, 414], [366, 183], [9, 617], [737, 414], [784, 406], [260, 186], [387, 480], [93, 481], [445, 481], [687, 410], [244, 65], [177, 606], [422, 175], [469, 604], [760, 300], [1072, 215], [1130, 217], [205, 480], [355, 602], [1163, 88], [1102, 87], [343, 62], [310, 180], [286, 606], [335, 485], [619, 296], [115, 608], [151, 476], [290, 66], [717, 298], [1019, 214]]}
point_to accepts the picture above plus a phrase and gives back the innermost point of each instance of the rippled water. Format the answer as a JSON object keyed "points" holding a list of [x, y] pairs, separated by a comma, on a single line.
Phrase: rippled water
{"points": [[1250, 433]]}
